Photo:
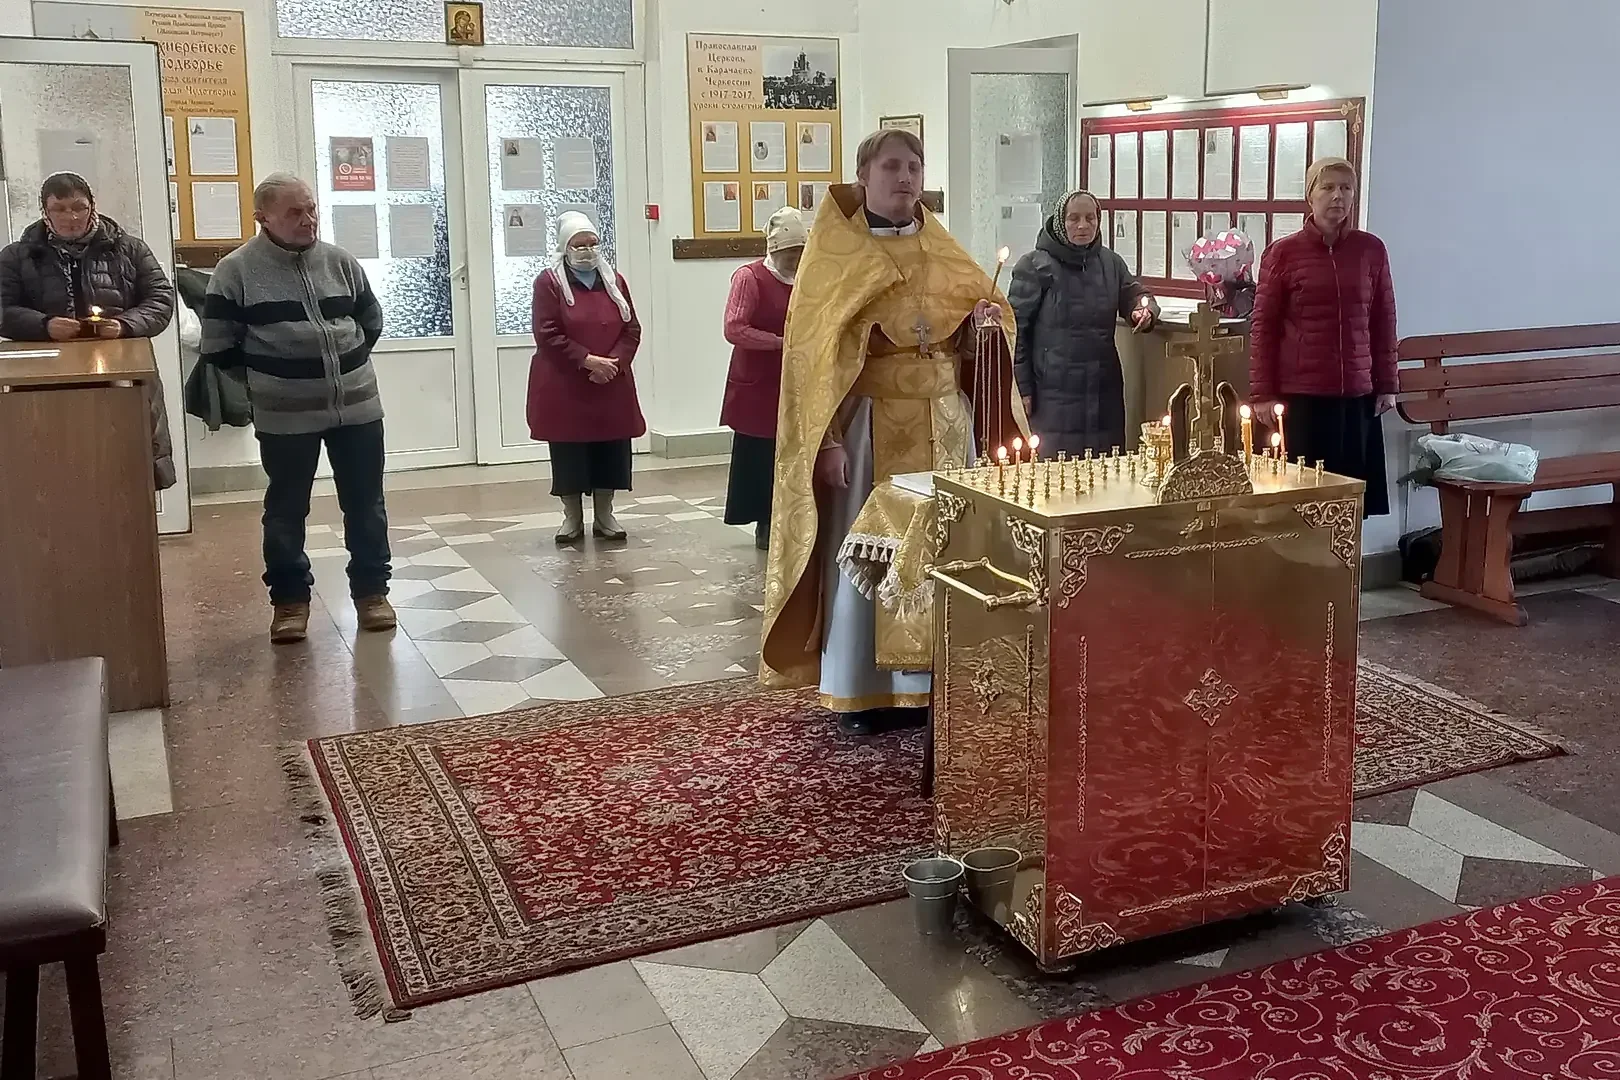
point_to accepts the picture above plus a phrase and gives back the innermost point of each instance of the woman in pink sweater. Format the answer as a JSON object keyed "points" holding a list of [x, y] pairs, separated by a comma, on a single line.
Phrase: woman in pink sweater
{"points": [[756, 314]]}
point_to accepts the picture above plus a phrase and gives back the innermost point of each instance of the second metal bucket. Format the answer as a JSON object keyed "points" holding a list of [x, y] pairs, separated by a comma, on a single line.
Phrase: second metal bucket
{"points": [[990, 872], [933, 884]]}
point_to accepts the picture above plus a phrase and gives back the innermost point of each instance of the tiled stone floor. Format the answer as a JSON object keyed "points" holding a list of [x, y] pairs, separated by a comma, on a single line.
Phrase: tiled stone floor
{"points": [[219, 965]]}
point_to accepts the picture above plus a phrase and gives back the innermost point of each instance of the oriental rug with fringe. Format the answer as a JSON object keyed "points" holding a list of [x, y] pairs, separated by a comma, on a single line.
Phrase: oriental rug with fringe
{"points": [[470, 854]]}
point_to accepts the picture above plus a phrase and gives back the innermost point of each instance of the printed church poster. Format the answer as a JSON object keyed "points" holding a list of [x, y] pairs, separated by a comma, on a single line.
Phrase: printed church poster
{"points": [[764, 111]]}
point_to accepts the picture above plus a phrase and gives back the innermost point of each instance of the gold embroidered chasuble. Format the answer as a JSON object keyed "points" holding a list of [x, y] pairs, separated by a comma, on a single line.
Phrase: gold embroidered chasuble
{"points": [[860, 305]]}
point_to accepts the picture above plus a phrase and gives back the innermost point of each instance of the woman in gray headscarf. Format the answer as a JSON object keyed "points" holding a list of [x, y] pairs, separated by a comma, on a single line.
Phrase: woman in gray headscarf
{"points": [[1066, 295]]}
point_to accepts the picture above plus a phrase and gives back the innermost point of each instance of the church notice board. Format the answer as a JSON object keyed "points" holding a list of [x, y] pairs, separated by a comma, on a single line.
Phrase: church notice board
{"points": [[1165, 180], [765, 130], [203, 65]]}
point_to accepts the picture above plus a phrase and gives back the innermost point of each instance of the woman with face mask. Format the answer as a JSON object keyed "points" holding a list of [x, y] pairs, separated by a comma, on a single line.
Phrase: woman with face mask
{"points": [[582, 395], [756, 315], [1067, 295]]}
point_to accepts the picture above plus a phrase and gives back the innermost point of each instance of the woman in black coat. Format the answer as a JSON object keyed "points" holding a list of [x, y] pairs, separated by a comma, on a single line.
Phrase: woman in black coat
{"points": [[72, 260], [1066, 296]]}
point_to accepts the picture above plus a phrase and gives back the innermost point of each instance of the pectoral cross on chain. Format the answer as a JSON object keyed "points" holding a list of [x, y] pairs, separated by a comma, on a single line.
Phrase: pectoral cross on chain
{"points": [[924, 336]]}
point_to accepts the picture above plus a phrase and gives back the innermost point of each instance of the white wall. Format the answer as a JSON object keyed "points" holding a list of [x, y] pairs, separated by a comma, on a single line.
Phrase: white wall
{"points": [[691, 295], [16, 18], [1468, 146], [1146, 48], [1291, 42]]}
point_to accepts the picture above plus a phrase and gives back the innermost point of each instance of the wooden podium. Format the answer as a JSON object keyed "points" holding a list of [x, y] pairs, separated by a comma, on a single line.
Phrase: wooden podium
{"points": [[79, 571]]}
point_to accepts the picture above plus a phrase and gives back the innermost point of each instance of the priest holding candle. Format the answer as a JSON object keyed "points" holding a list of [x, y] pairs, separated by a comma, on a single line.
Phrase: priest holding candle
{"points": [[896, 359]]}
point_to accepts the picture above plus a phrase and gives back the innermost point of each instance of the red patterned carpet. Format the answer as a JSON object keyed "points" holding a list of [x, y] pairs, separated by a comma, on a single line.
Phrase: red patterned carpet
{"points": [[1530, 989], [470, 854], [498, 849]]}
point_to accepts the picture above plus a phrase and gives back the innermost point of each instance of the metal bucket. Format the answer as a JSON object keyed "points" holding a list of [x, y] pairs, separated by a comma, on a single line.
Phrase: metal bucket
{"points": [[933, 884], [990, 872]]}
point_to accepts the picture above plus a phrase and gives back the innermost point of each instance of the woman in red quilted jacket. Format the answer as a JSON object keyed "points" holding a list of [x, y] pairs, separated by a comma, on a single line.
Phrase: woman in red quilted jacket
{"points": [[1322, 340]]}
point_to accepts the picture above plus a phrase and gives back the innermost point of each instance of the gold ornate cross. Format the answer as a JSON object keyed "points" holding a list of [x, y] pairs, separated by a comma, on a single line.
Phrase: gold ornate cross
{"points": [[1207, 346]]}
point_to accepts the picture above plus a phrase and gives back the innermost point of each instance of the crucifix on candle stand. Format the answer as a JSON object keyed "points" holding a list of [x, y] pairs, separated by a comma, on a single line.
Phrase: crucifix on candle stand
{"points": [[1204, 350]]}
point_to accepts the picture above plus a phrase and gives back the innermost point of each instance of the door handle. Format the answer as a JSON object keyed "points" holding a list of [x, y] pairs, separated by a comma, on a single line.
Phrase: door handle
{"points": [[1024, 595], [460, 275]]}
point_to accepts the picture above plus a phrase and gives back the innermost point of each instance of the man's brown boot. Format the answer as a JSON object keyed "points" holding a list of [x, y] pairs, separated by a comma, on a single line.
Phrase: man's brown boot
{"points": [[289, 623], [375, 613]]}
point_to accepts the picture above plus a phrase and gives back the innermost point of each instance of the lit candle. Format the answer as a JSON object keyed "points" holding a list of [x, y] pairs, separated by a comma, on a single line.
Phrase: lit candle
{"points": [[1001, 468], [1018, 452], [1246, 422], [1276, 449], [1034, 449], [1166, 421], [1280, 442], [1001, 261], [95, 313]]}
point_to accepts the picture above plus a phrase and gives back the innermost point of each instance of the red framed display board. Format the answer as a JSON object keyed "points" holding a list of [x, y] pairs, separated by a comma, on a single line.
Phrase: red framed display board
{"points": [[1164, 180]]}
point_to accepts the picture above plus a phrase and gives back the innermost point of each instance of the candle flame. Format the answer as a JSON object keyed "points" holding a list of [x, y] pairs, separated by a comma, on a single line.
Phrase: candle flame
{"points": [[1276, 438], [1003, 254], [94, 310], [1001, 454], [1034, 443], [1166, 420], [1018, 444], [1277, 410], [1245, 412]]}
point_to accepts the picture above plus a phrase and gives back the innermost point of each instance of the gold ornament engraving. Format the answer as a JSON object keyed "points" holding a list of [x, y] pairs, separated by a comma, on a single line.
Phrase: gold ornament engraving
{"points": [[1078, 546], [1074, 937], [1207, 475], [1213, 545], [1327, 696], [1211, 696], [1027, 924], [1198, 897], [1343, 517], [1329, 879], [1080, 741], [985, 688], [949, 508], [1030, 539]]}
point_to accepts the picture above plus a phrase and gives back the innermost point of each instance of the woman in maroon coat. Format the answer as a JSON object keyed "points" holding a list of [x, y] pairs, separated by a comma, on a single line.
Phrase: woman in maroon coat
{"points": [[1322, 341], [582, 395], [756, 314]]}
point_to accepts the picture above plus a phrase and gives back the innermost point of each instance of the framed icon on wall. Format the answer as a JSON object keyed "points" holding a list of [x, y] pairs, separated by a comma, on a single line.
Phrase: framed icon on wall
{"points": [[464, 22], [910, 124]]}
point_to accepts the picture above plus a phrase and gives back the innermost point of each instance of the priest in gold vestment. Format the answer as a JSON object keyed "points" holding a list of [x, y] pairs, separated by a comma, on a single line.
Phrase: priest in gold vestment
{"points": [[896, 359]]}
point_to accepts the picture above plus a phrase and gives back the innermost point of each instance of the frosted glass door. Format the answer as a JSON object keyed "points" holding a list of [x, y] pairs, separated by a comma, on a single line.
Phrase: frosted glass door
{"points": [[1013, 111], [376, 155], [550, 143], [91, 107]]}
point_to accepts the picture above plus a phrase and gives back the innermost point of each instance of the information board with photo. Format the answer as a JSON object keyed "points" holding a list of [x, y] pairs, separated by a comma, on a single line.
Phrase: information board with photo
{"points": [[203, 54], [765, 120]]}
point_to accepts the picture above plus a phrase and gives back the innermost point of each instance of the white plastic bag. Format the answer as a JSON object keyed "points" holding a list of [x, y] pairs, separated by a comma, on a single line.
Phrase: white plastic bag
{"points": [[1469, 457]]}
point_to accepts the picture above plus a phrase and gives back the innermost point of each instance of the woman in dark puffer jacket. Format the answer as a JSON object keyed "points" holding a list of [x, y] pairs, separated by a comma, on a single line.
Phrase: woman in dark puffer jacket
{"points": [[1322, 340], [73, 259]]}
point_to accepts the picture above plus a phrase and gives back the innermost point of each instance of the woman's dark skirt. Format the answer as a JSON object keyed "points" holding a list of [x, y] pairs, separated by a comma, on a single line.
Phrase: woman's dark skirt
{"points": [[753, 474], [1347, 435], [579, 468]]}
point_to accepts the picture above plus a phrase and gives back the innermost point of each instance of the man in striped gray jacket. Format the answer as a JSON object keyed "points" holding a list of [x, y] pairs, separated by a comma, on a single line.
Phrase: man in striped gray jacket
{"points": [[297, 314]]}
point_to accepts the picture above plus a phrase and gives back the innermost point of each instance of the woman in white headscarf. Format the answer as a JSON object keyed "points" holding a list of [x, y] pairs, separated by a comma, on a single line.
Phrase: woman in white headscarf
{"points": [[582, 394], [756, 315]]}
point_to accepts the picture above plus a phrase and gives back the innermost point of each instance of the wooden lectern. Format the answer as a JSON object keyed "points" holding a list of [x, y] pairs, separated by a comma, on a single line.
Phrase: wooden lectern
{"points": [[79, 569]]}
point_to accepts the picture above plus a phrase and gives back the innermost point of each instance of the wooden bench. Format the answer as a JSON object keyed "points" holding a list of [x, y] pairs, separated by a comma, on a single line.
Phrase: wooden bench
{"points": [[57, 806], [1479, 521]]}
